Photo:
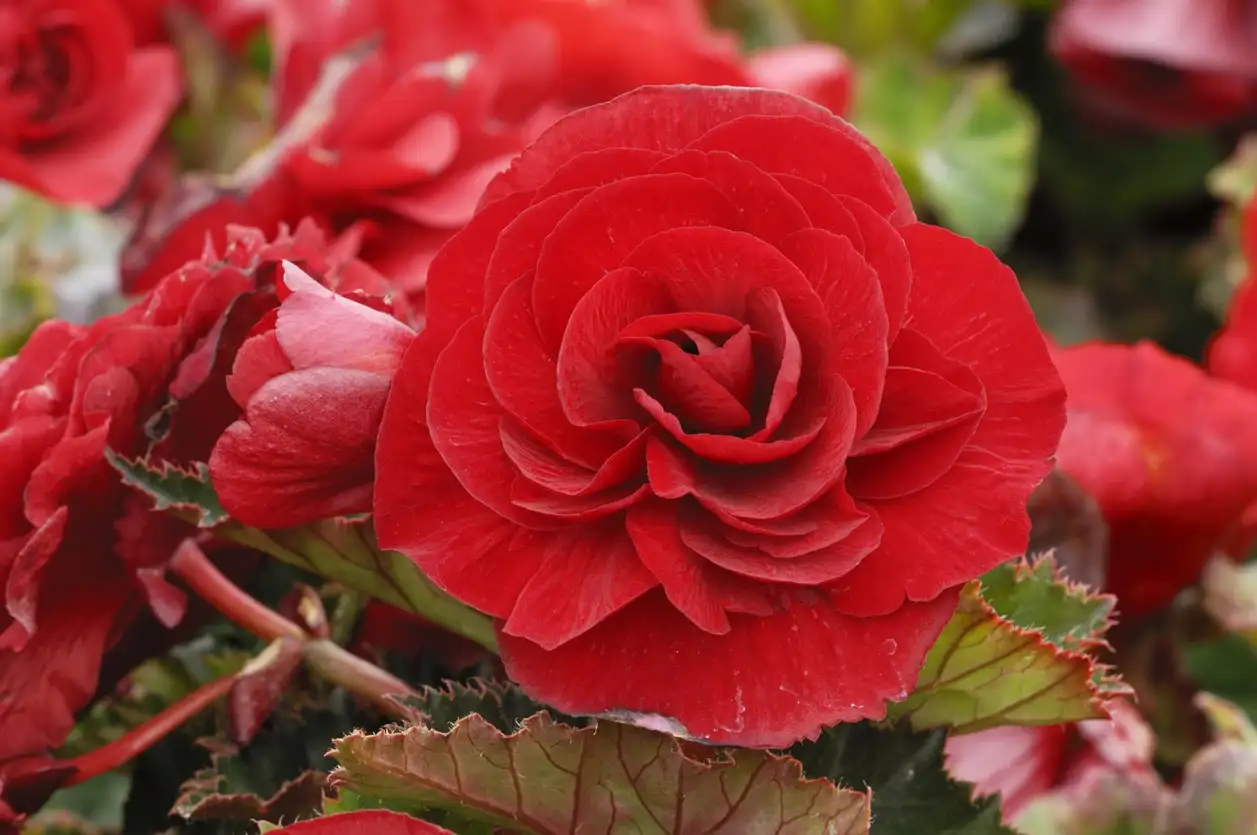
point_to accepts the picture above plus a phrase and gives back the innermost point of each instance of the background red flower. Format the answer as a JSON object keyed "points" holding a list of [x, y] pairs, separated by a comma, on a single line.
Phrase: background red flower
{"points": [[1165, 64], [392, 123], [1169, 453], [725, 399], [81, 104], [80, 554]]}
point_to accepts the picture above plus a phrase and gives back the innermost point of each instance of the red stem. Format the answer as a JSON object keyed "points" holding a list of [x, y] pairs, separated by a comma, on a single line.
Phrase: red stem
{"points": [[324, 658], [195, 569], [140, 739]]}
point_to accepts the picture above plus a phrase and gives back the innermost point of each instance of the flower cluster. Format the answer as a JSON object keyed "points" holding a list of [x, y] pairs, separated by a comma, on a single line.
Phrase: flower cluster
{"points": [[611, 359]]}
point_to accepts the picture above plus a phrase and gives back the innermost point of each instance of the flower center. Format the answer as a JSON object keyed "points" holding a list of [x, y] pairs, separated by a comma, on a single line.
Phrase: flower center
{"points": [[44, 91]]}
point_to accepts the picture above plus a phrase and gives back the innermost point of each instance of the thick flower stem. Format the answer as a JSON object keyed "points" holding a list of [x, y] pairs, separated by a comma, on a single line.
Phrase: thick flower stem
{"points": [[201, 575], [324, 658], [140, 739]]}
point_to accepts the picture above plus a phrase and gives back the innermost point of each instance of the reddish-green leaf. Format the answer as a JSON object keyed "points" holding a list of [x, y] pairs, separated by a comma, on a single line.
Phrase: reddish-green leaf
{"points": [[547, 779], [1016, 653]]}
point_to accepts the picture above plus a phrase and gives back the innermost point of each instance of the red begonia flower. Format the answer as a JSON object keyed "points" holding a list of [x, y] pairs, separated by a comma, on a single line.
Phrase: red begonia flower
{"points": [[80, 105], [1164, 64], [713, 427], [80, 553], [1169, 453], [1020, 763], [392, 123], [312, 381]]}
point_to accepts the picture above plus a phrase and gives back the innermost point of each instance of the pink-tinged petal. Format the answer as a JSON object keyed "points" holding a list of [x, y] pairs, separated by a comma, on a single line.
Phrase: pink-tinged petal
{"points": [[852, 297], [841, 161], [698, 590], [969, 521], [464, 419], [593, 568], [758, 490], [518, 247], [1025, 411], [741, 688], [598, 168], [455, 287], [304, 450], [599, 233], [766, 209], [317, 327], [421, 510], [815, 71], [1018, 764], [1170, 455], [95, 163], [1233, 352], [591, 383], [259, 360], [664, 119], [814, 567]]}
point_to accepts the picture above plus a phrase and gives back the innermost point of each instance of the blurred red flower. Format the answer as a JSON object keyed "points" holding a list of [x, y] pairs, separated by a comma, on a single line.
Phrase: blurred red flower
{"points": [[1161, 63], [723, 398], [392, 123], [1023, 763], [81, 103], [1169, 453]]}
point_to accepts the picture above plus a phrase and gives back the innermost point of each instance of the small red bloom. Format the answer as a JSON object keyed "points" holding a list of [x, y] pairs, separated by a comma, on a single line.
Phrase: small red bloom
{"points": [[713, 427], [79, 552], [1170, 455], [312, 381], [80, 105], [1164, 64]]}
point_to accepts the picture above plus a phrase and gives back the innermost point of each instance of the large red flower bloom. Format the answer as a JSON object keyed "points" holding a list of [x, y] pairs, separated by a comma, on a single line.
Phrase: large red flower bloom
{"points": [[80, 106], [1169, 453], [714, 426], [1165, 64]]}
